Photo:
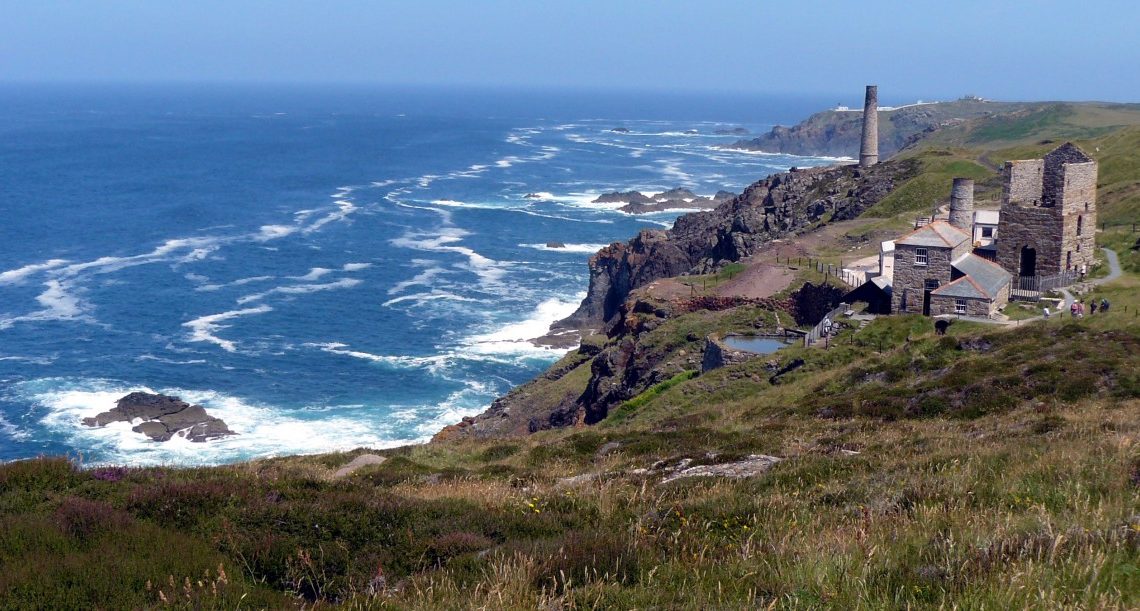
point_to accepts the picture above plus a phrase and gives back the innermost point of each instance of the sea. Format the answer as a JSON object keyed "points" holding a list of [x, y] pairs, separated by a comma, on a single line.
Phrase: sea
{"points": [[324, 268]]}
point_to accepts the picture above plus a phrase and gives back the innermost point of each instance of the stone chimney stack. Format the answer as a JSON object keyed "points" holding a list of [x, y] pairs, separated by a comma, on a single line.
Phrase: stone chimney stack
{"points": [[869, 150], [962, 205]]}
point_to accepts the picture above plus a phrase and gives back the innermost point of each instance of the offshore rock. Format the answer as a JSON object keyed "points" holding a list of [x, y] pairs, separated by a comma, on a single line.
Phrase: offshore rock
{"points": [[163, 417]]}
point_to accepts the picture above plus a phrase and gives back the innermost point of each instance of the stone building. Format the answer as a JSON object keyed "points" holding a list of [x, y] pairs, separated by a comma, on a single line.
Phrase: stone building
{"points": [[1048, 213], [936, 273]]}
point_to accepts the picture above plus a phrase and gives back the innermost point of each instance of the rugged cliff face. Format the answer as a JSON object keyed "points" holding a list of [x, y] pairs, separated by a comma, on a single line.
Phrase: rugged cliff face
{"points": [[635, 341], [778, 206]]}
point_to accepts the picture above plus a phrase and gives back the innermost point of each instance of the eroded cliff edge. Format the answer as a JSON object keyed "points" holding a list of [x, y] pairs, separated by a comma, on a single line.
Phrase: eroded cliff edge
{"points": [[616, 361]]}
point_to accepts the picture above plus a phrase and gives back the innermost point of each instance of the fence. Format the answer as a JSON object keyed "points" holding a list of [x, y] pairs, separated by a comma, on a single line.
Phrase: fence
{"points": [[1134, 227], [824, 327], [1031, 288], [850, 277]]}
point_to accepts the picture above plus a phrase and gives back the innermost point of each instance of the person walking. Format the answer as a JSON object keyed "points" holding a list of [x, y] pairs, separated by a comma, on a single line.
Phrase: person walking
{"points": [[1046, 309], [1103, 305], [1092, 307], [1074, 308]]}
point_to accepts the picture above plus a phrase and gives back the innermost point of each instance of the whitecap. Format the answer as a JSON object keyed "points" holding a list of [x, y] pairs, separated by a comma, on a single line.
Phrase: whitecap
{"points": [[209, 288], [300, 289], [19, 274], [204, 328], [516, 338], [568, 248]]}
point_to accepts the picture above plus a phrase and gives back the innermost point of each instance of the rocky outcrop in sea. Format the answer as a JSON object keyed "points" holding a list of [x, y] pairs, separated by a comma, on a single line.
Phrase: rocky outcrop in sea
{"points": [[162, 417]]}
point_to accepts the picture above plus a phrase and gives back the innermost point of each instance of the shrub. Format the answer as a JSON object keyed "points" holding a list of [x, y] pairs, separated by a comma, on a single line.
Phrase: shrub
{"points": [[83, 518]]}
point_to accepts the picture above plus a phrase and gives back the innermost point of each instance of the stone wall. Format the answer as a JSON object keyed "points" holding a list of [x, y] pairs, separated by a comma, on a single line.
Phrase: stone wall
{"points": [[943, 305], [1036, 227], [910, 279], [1022, 182], [1078, 206]]}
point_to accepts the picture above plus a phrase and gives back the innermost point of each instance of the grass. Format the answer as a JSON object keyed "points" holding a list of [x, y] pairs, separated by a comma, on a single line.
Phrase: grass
{"points": [[989, 468]]}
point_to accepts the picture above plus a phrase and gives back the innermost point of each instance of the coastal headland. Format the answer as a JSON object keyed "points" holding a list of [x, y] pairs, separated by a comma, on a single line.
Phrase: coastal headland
{"points": [[993, 466]]}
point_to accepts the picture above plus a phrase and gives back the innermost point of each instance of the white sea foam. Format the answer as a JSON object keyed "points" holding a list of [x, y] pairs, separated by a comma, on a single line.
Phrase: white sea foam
{"points": [[355, 267], [424, 278], [273, 232], [263, 431], [209, 288], [344, 209], [422, 298], [315, 273], [488, 270], [13, 276], [394, 360], [204, 328], [515, 338], [568, 248], [32, 360], [300, 289]]}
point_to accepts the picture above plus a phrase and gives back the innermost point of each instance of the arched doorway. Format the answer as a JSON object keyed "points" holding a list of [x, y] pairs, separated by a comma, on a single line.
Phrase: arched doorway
{"points": [[1028, 265]]}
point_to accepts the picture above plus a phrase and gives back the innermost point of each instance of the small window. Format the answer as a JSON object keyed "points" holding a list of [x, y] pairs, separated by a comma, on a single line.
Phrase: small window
{"points": [[959, 306], [920, 256], [987, 232]]}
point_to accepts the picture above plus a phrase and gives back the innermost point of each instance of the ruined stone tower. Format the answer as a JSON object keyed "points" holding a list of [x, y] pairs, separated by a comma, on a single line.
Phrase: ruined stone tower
{"points": [[962, 205], [1048, 213], [869, 148]]}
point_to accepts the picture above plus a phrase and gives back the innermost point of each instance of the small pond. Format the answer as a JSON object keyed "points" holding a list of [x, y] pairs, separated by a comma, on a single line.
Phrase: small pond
{"points": [[757, 345]]}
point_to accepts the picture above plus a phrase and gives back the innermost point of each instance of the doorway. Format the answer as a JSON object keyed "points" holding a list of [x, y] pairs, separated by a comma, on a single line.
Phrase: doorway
{"points": [[1028, 265], [928, 287]]}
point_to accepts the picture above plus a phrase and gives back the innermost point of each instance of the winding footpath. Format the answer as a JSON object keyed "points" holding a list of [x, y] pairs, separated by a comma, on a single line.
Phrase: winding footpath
{"points": [[1114, 272]]}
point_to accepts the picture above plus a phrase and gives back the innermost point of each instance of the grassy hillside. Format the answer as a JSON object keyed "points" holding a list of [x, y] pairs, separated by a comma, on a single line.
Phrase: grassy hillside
{"points": [[992, 468], [995, 467]]}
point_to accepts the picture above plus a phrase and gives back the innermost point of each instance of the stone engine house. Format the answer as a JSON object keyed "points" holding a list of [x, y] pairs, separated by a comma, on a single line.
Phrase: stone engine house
{"points": [[1048, 213]]}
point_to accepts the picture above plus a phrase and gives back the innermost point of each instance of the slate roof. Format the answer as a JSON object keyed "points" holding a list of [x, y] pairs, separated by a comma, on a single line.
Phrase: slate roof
{"points": [[939, 234], [982, 280]]}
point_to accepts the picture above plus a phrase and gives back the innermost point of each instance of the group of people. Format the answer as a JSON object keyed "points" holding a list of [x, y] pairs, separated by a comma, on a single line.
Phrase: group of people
{"points": [[1077, 308]]}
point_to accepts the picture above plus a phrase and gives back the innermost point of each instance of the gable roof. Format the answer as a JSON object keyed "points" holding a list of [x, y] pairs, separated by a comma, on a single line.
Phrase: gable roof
{"points": [[939, 234], [982, 280], [962, 287]]}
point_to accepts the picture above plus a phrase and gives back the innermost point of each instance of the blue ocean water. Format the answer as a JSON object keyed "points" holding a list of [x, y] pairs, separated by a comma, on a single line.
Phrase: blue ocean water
{"points": [[322, 269]]}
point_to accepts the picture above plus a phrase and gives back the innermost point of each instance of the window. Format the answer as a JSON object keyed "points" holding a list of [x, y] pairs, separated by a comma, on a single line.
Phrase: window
{"points": [[987, 232], [920, 256], [959, 306]]}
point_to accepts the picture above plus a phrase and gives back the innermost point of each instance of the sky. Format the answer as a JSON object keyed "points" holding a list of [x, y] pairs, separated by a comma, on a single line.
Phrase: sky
{"points": [[1012, 49]]}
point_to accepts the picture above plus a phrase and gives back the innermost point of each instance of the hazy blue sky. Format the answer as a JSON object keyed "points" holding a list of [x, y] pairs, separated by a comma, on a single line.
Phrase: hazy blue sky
{"points": [[1000, 49]]}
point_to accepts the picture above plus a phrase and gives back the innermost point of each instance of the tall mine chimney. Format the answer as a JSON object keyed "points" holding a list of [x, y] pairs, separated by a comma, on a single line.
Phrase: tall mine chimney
{"points": [[869, 150], [962, 205]]}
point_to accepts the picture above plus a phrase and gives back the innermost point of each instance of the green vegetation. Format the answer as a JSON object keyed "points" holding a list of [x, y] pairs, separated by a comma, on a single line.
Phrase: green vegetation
{"points": [[920, 194], [994, 467]]}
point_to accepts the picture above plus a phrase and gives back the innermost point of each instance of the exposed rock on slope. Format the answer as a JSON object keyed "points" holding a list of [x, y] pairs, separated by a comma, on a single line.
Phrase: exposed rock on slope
{"points": [[778, 206], [163, 417], [646, 341]]}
